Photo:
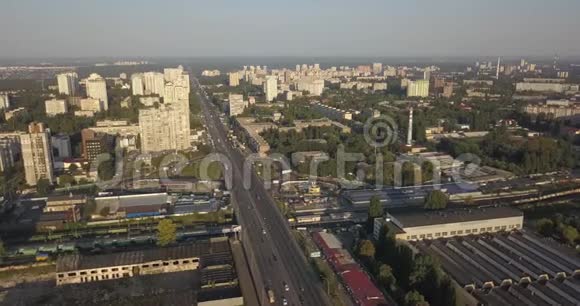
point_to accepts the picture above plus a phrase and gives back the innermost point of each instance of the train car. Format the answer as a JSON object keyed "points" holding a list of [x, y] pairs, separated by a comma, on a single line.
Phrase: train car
{"points": [[28, 251], [48, 249], [41, 257], [68, 247]]}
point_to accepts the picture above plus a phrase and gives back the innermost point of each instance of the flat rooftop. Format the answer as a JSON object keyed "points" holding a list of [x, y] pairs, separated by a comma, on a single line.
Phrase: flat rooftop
{"points": [[83, 262], [426, 218]]}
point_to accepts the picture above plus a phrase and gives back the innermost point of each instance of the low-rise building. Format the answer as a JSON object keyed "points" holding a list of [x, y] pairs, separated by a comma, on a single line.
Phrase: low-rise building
{"points": [[414, 226], [332, 112], [74, 269], [64, 203]]}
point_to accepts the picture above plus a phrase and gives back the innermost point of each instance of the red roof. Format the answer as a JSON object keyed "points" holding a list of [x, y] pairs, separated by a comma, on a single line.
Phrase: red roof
{"points": [[358, 283]]}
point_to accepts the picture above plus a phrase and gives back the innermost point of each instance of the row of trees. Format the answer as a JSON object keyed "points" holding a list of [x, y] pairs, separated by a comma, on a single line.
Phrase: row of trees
{"points": [[413, 280], [410, 279], [565, 230], [522, 156]]}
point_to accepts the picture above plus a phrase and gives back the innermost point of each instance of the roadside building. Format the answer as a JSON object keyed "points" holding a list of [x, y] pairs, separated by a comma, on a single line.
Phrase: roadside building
{"points": [[414, 226]]}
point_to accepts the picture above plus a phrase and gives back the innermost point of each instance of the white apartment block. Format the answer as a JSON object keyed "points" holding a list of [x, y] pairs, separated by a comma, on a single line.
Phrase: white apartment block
{"points": [[68, 83], [271, 88], [419, 88], [137, 84], [37, 154], [97, 89], [236, 104], [154, 83], [313, 86], [93, 105], [55, 107], [234, 79], [4, 101], [164, 128]]}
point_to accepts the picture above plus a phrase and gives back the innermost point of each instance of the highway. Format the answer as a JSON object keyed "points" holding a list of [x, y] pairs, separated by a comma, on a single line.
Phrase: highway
{"points": [[266, 235]]}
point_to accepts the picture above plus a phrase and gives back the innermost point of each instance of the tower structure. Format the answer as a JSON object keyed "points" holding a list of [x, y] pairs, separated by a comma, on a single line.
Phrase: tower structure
{"points": [[410, 130]]}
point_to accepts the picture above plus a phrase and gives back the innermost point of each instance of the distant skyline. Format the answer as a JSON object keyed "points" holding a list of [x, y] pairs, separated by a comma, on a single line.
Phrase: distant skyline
{"points": [[311, 28]]}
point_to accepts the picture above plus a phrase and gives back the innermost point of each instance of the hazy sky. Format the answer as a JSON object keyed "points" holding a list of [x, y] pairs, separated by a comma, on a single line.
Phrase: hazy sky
{"points": [[65, 28]]}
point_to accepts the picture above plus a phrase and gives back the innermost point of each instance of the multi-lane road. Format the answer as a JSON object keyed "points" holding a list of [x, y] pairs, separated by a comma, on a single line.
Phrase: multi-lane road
{"points": [[275, 258]]}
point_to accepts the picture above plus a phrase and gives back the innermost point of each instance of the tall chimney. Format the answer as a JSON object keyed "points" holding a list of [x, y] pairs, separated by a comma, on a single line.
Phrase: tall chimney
{"points": [[497, 70], [410, 130]]}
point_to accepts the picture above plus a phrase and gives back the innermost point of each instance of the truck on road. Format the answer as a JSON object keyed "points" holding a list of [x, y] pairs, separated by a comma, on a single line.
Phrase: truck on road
{"points": [[271, 297]]}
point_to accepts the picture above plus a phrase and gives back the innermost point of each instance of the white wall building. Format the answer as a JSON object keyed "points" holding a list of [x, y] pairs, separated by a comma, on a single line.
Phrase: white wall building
{"points": [[154, 83], [271, 88], [68, 83], [137, 84], [97, 89], [164, 128], [93, 105], [236, 104], [419, 88], [55, 107], [37, 154]]}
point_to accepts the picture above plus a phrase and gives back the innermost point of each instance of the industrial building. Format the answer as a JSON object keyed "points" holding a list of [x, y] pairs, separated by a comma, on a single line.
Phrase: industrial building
{"points": [[133, 206], [332, 112], [415, 226], [76, 268], [356, 281], [516, 268]]}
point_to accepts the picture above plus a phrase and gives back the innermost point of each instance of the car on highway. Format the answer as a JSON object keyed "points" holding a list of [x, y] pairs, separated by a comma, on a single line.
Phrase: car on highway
{"points": [[284, 301], [286, 287]]}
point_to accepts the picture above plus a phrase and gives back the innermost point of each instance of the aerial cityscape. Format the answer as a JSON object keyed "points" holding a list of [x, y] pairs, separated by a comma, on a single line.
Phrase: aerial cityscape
{"points": [[351, 154]]}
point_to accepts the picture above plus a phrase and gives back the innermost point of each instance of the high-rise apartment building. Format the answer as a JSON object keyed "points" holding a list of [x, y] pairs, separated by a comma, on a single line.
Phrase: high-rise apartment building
{"points": [[172, 74], [137, 84], [377, 68], [68, 83], [271, 88], [97, 89], [419, 88], [4, 101], [234, 79], [236, 104], [312, 85], [55, 107], [154, 83], [164, 128], [178, 90], [37, 154]]}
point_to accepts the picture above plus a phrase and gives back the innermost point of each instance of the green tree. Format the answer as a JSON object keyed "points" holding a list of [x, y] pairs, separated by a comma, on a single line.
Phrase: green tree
{"points": [[73, 167], [166, 232], [66, 180], [569, 233], [436, 199], [43, 187], [545, 227], [375, 208], [2, 249], [366, 249], [106, 170], [414, 298], [386, 277]]}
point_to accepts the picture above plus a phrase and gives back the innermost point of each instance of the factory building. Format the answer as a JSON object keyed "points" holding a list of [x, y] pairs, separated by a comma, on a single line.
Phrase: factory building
{"points": [[415, 226]]}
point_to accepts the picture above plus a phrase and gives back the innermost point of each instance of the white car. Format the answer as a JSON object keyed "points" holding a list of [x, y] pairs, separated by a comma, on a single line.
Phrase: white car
{"points": [[284, 302]]}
